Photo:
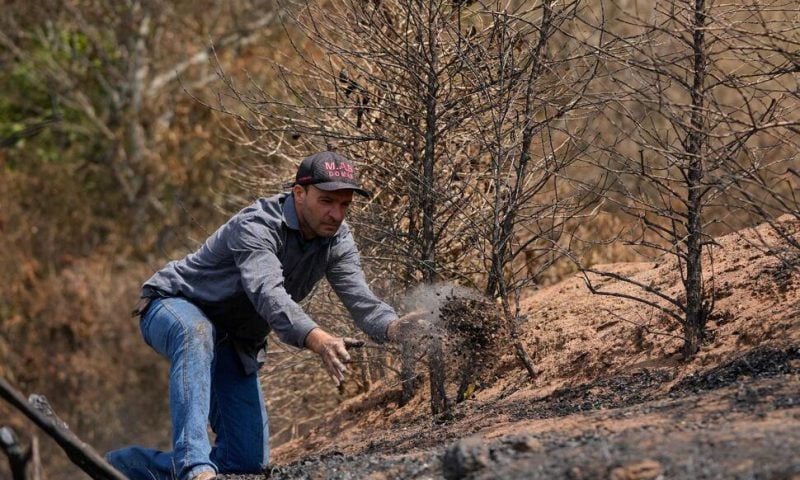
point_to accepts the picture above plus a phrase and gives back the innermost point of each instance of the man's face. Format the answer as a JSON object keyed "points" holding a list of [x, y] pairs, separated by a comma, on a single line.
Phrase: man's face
{"points": [[320, 213]]}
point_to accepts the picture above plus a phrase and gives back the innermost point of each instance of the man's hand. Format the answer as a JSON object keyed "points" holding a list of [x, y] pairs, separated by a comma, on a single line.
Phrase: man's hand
{"points": [[411, 326], [333, 351]]}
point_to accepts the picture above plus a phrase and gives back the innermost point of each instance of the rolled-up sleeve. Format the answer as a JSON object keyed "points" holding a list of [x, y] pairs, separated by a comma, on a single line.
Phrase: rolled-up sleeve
{"points": [[254, 247], [346, 276]]}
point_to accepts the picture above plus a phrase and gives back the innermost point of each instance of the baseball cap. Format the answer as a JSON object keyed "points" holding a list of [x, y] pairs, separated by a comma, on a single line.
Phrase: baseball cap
{"points": [[329, 171]]}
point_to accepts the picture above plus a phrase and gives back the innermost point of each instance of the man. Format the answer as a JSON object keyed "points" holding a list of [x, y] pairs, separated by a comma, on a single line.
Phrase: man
{"points": [[210, 313]]}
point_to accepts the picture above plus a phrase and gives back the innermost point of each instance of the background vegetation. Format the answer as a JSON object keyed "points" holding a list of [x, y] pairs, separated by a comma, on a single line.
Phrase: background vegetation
{"points": [[510, 143]]}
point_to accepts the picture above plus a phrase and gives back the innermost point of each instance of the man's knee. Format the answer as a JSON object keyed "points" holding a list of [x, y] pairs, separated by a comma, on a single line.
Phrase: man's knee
{"points": [[200, 334]]}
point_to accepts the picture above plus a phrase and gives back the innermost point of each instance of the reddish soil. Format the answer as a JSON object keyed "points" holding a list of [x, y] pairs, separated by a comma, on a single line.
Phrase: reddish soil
{"points": [[612, 397]]}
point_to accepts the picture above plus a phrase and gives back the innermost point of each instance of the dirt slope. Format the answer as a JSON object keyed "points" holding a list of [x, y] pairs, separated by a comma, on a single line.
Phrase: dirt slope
{"points": [[612, 397]]}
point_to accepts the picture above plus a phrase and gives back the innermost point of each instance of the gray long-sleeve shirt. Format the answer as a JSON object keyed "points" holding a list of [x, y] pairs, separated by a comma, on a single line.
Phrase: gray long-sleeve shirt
{"points": [[249, 275]]}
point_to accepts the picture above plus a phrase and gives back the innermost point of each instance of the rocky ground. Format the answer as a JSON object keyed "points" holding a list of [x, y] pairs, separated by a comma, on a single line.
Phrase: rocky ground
{"points": [[612, 396]]}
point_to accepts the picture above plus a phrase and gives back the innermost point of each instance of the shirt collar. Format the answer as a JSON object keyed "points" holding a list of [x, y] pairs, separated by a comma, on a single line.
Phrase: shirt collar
{"points": [[289, 213]]}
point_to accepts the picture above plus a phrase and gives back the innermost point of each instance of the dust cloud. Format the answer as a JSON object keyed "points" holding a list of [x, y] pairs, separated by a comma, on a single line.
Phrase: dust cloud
{"points": [[431, 298]]}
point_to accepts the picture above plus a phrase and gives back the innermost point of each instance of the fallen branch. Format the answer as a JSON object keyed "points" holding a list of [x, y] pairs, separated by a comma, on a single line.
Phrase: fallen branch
{"points": [[80, 453]]}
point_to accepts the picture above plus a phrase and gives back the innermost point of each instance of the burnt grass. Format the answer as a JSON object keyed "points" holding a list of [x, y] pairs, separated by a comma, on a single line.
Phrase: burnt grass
{"points": [[645, 385], [688, 442], [761, 362]]}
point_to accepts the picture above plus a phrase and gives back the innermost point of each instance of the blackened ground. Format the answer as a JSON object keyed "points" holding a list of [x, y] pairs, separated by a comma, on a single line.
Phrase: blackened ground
{"points": [[759, 362], [739, 420]]}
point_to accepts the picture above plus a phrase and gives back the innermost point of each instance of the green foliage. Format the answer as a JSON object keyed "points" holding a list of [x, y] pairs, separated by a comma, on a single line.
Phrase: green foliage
{"points": [[36, 125], [99, 185]]}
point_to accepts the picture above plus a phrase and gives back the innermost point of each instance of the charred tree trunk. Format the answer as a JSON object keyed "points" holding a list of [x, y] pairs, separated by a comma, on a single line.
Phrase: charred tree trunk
{"points": [[694, 324], [428, 160], [408, 374], [505, 213], [436, 367]]}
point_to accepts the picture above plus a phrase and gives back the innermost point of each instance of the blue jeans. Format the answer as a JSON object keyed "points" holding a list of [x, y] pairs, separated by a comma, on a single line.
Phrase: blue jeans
{"points": [[206, 385]]}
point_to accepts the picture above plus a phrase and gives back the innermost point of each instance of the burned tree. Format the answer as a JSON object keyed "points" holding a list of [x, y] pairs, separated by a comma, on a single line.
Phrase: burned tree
{"points": [[526, 140], [691, 99]]}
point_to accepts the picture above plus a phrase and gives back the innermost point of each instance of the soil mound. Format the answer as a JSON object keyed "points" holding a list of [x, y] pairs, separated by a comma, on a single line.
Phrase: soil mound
{"points": [[612, 397]]}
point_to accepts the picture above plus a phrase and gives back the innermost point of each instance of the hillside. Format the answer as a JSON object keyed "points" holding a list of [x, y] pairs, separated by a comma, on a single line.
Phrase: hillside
{"points": [[612, 397]]}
